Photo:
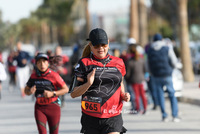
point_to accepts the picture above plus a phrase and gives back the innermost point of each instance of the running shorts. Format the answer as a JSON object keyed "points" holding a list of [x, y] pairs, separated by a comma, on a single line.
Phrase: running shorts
{"points": [[94, 125]]}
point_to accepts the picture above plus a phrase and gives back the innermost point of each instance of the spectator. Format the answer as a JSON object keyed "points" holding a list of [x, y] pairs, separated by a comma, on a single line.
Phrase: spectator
{"points": [[125, 56], [63, 63], [11, 70], [62, 68], [161, 61], [22, 70], [1, 58], [3, 75], [149, 80], [49, 53], [116, 53], [135, 68], [75, 56]]}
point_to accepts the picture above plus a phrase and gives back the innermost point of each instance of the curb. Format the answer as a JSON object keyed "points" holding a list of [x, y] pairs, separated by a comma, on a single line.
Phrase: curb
{"points": [[189, 100]]}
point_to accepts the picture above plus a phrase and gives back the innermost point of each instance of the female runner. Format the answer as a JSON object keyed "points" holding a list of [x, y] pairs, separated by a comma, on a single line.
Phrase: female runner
{"points": [[99, 80], [44, 83]]}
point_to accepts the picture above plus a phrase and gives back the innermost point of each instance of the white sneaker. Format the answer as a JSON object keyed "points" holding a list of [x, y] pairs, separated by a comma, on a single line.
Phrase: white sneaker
{"points": [[176, 119]]}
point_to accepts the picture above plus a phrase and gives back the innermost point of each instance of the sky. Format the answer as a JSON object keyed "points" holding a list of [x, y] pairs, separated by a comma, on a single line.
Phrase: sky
{"points": [[14, 10], [96, 6]]}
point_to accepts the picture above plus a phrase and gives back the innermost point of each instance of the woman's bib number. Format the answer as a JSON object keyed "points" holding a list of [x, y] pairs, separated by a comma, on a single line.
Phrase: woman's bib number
{"points": [[91, 104]]}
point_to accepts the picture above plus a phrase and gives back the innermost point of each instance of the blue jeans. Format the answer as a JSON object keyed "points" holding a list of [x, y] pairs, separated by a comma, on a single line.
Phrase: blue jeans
{"points": [[159, 82], [132, 96], [153, 91], [129, 89]]}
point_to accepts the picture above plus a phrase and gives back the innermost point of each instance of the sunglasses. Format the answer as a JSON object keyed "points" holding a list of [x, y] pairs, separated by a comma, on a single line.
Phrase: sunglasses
{"points": [[101, 45]]}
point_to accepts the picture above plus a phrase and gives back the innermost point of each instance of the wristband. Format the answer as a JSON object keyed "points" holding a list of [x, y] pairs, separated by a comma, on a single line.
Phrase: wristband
{"points": [[54, 93], [122, 95]]}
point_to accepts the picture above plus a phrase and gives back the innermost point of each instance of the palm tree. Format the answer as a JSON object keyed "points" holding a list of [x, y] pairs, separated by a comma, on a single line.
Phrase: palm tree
{"points": [[134, 27], [54, 17], [28, 30], [87, 18], [143, 39], [184, 40]]}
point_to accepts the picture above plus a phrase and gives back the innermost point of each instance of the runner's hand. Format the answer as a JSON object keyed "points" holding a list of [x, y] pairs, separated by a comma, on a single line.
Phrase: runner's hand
{"points": [[33, 89], [90, 77], [47, 94], [126, 97]]}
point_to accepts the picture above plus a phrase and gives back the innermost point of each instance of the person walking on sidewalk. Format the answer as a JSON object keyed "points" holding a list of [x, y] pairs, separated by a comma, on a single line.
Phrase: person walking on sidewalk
{"points": [[62, 68], [44, 84], [161, 61], [149, 80], [125, 56], [3, 75], [135, 70], [12, 70], [22, 70], [99, 80]]}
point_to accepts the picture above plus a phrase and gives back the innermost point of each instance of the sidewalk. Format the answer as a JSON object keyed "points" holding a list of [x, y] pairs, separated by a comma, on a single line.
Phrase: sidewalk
{"points": [[191, 92]]}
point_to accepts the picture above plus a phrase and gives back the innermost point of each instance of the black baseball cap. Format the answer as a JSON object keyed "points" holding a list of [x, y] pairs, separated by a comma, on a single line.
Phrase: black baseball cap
{"points": [[98, 36], [41, 55]]}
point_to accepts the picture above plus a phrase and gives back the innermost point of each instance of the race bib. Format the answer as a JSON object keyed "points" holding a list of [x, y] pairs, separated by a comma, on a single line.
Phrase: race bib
{"points": [[91, 104], [44, 101]]}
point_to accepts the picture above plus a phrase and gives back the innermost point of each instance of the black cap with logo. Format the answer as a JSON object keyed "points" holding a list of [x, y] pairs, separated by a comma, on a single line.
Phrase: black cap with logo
{"points": [[98, 36], [41, 55]]}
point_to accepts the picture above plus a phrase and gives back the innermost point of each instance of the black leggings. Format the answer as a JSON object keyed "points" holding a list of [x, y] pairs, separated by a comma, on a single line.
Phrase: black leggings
{"points": [[12, 78]]}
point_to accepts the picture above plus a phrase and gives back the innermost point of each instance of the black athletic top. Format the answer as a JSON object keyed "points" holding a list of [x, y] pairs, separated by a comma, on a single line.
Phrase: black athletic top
{"points": [[103, 98], [48, 80]]}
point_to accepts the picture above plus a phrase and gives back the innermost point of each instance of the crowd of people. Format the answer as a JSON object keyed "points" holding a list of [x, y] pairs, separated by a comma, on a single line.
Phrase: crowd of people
{"points": [[148, 66], [102, 80]]}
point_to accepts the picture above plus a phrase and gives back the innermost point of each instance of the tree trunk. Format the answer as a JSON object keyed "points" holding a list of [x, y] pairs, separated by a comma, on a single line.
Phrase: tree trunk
{"points": [[45, 33], [143, 39], [184, 41], [174, 19], [134, 27], [54, 34], [35, 39], [87, 18], [60, 36]]}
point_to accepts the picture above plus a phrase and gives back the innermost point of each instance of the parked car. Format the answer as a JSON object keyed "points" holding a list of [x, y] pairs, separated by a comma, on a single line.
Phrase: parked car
{"points": [[177, 79], [195, 55]]}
